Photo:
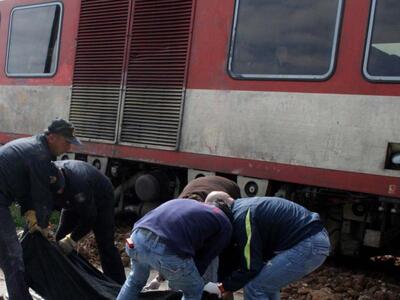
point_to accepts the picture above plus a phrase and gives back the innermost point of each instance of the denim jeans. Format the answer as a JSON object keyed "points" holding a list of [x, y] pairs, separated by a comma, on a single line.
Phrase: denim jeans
{"points": [[288, 266], [150, 252], [11, 260]]}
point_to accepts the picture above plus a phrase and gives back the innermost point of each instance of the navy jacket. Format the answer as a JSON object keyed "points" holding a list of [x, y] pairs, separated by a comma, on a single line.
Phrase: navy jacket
{"points": [[24, 175], [87, 193], [190, 229], [264, 226]]}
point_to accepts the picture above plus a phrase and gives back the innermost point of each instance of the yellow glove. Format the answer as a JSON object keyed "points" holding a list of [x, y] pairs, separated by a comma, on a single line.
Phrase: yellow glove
{"points": [[67, 244], [31, 221]]}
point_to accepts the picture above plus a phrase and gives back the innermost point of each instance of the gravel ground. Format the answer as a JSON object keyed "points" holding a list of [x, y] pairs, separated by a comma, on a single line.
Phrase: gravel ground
{"points": [[335, 280]]}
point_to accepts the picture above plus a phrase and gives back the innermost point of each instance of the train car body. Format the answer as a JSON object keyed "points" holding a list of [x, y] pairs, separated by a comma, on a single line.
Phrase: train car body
{"points": [[293, 98]]}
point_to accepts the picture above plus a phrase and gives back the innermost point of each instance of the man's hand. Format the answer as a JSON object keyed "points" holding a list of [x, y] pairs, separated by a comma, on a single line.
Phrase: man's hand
{"points": [[31, 222], [213, 288], [153, 285], [46, 232], [67, 244]]}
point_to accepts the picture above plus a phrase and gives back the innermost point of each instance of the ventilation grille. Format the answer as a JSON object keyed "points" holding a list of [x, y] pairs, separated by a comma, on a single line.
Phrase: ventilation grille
{"points": [[156, 72], [98, 70]]}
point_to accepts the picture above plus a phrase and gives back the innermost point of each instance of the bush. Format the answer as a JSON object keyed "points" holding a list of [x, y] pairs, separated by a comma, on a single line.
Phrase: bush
{"points": [[20, 221], [16, 214]]}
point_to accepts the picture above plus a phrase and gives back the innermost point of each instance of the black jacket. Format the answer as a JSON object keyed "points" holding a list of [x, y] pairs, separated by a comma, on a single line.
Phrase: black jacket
{"points": [[24, 175], [87, 193]]}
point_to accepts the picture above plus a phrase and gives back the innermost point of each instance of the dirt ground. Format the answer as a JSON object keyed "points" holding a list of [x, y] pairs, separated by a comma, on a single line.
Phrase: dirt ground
{"points": [[335, 280], [332, 281]]}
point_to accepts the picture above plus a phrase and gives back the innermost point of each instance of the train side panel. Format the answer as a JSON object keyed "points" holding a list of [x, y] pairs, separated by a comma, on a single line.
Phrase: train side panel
{"points": [[29, 103]]}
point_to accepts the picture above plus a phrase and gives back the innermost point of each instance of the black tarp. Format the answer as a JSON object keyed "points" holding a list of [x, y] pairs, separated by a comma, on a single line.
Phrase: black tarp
{"points": [[55, 276]]}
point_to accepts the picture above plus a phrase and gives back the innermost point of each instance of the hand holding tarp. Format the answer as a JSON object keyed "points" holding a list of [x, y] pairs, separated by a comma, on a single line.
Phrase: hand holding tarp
{"points": [[213, 288], [67, 244], [153, 285]]}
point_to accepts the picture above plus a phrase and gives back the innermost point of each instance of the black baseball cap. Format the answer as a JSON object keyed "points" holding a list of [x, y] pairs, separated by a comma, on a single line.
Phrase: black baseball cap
{"points": [[64, 128]]}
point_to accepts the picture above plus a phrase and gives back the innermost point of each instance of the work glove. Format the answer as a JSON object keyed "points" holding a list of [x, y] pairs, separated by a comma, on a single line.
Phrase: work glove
{"points": [[67, 244], [31, 222], [213, 288], [153, 285]]}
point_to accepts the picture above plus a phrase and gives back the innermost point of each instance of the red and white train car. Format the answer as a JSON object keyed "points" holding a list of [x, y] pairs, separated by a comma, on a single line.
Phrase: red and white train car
{"points": [[297, 98]]}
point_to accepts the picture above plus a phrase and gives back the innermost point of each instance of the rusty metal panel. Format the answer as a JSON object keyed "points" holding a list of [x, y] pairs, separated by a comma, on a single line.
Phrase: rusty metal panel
{"points": [[155, 84], [99, 63]]}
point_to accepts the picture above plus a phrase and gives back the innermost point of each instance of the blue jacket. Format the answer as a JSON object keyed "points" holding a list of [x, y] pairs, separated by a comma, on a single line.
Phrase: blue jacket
{"points": [[190, 229], [87, 193], [25, 171], [264, 226]]}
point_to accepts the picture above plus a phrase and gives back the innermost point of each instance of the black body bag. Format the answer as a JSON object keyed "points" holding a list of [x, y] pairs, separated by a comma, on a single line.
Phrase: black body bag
{"points": [[55, 276]]}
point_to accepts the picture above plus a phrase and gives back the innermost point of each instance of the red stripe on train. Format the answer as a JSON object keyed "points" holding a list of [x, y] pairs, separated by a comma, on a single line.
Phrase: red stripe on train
{"points": [[350, 181]]}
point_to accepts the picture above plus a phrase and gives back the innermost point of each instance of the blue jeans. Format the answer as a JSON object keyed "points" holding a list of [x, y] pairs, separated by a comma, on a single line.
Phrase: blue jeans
{"points": [[11, 260], [150, 252], [288, 266]]}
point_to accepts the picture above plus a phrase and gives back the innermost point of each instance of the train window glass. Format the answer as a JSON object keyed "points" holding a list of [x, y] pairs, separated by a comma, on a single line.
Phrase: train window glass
{"points": [[284, 39], [33, 42], [382, 56]]}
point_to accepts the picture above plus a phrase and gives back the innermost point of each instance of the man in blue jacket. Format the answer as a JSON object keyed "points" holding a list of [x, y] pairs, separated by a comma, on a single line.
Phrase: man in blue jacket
{"points": [[87, 202], [179, 239], [26, 173], [279, 241], [198, 189]]}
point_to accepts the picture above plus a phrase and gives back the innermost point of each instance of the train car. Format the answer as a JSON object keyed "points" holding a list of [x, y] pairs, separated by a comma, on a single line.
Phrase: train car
{"points": [[293, 98]]}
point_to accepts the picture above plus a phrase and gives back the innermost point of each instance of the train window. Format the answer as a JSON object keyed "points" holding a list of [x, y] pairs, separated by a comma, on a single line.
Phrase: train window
{"points": [[284, 39], [33, 41], [382, 55]]}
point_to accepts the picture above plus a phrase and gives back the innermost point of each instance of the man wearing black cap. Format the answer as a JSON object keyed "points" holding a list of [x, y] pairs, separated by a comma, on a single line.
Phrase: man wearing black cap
{"points": [[87, 203], [60, 136], [26, 173]]}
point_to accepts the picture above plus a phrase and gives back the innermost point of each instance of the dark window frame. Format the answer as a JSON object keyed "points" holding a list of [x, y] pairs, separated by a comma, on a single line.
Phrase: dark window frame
{"points": [[57, 45], [367, 50], [327, 75]]}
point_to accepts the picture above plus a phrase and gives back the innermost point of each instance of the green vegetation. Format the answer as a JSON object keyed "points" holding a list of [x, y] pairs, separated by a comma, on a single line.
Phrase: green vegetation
{"points": [[20, 221], [55, 218], [15, 213]]}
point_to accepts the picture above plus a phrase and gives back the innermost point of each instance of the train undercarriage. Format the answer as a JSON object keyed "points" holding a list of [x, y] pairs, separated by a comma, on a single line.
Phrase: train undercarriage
{"points": [[357, 223]]}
